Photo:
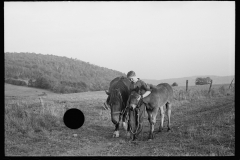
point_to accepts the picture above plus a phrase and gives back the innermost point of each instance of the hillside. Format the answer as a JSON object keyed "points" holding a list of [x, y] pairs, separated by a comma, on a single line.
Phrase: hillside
{"points": [[57, 74], [191, 80]]}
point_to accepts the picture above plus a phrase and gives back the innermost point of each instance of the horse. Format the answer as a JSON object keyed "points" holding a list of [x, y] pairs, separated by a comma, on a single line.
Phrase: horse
{"points": [[161, 95], [118, 94]]}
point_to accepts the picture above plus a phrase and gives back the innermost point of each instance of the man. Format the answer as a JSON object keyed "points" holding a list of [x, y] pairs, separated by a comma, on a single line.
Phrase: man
{"points": [[139, 85]]}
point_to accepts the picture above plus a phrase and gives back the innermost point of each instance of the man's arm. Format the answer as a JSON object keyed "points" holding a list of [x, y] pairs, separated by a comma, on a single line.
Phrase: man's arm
{"points": [[146, 88], [146, 94]]}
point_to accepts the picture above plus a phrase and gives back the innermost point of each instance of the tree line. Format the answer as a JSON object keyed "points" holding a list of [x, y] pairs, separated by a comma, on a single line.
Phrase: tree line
{"points": [[55, 73]]}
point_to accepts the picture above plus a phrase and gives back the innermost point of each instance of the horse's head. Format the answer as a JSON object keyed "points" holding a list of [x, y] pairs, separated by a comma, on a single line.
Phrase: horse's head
{"points": [[116, 104]]}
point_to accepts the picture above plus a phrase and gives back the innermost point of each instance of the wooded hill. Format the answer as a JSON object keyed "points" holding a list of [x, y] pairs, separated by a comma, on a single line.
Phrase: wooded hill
{"points": [[58, 74]]}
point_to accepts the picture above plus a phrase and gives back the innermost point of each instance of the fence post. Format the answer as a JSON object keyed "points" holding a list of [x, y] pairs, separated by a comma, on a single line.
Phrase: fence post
{"points": [[41, 101], [186, 85], [210, 87], [230, 86]]}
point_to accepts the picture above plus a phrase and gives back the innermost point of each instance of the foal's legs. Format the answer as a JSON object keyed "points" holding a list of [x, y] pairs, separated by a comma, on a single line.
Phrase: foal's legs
{"points": [[162, 119], [169, 108], [125, 121], [152, 116]]}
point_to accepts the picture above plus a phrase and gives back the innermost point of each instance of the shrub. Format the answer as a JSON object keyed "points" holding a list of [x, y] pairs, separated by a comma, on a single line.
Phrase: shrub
{"points": [[203, 81], [43, 82], [16, 82], [174, 84]]}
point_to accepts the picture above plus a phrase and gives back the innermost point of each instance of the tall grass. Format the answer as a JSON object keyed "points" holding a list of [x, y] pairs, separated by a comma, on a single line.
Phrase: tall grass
{"points": [[19, 119], [200, 93]]}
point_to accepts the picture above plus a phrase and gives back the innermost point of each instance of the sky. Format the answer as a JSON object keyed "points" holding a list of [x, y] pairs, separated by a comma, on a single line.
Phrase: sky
{"points": [[158, 40]]}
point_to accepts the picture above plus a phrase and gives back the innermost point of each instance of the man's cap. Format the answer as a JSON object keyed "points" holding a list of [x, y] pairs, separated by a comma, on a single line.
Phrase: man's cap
{"points": [[131, 74]]}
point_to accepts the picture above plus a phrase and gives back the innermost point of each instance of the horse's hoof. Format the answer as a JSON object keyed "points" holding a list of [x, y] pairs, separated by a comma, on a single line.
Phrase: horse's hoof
{"points": [[149, 139], [150, 136], [128, 134], [169, 129], [116, 134], [134, 140]]}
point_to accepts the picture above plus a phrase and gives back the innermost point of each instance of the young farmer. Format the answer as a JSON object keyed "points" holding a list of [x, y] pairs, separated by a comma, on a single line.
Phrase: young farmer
{"points": [[139, 85]]}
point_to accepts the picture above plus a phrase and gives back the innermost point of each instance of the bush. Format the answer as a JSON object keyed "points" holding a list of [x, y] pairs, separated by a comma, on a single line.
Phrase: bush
{"points": [[203, 81], [16, 82], [174, 84], [43, 82]]}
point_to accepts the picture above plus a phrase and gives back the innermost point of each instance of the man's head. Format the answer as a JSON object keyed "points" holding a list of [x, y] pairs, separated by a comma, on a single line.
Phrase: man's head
{"points": [[132, 76]]}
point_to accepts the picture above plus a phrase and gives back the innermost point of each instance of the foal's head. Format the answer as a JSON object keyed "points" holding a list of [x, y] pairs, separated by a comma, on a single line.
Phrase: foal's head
{"points": [[136, 110], [133, 100]]}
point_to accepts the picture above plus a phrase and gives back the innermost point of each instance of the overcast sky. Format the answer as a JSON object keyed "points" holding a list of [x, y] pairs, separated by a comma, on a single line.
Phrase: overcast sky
{"points": [[157, 40]]}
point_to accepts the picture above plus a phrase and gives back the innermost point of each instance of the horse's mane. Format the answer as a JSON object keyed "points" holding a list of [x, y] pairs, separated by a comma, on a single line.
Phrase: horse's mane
{"points": [[123, 89], [114, 96]]}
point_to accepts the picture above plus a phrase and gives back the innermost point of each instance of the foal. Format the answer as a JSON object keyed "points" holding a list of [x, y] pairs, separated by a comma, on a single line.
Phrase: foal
{"points": [[160, 96]]}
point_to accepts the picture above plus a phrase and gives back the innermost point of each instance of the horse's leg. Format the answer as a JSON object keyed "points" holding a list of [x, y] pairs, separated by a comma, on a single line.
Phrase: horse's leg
{"points": [[116, 131], [126, 126], [152, 120], [169, 108], [116, 122], [162, 119]]}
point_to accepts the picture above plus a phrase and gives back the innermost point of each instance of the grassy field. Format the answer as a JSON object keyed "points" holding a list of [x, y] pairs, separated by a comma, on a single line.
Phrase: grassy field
{"points": [[202, 125]]}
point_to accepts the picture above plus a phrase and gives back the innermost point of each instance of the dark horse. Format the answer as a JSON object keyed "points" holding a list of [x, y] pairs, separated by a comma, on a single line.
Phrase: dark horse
{"points": [[118, 94], [160, 96]]}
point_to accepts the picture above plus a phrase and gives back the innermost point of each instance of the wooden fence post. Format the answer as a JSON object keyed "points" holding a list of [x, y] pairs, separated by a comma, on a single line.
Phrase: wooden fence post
{"points": [[41, 101], [230, 86], [186, 85], [210, 87]]}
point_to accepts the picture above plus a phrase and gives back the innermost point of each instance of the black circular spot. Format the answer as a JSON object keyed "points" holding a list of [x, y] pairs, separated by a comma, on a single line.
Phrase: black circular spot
{"points": [[73, 118]]}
